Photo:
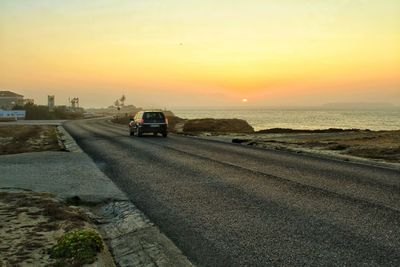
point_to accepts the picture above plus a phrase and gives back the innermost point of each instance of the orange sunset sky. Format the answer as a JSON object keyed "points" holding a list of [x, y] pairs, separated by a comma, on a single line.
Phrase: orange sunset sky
{"points": [[172, 53]]}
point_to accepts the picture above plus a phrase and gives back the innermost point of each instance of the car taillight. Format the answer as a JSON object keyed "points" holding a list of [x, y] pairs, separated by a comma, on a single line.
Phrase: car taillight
{"points": [[166, 120]]}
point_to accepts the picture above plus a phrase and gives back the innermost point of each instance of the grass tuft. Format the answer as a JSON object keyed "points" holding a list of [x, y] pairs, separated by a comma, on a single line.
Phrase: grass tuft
{"points": [[77, 248]]}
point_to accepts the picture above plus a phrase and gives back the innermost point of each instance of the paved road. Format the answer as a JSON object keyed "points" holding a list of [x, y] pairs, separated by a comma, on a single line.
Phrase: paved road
{"points": [[230, 205]]}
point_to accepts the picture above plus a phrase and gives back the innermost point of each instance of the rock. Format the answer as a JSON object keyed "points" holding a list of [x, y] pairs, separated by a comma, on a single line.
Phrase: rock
{"points": [[218, 126], [288, 130], [239, 141], [175, 124]]}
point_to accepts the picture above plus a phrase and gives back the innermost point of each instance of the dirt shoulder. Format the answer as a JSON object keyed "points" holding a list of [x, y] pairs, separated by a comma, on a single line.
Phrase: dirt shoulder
{"points": [[376, 146], [28, 138], [32, 223]]}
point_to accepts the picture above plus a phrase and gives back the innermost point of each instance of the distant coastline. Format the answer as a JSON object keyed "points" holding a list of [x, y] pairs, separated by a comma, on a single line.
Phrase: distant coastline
{"points": [[327, 106]]}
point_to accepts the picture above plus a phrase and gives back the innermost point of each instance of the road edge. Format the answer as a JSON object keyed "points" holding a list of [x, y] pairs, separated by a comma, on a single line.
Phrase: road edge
{"points": [[307, 152], [133, 240]]}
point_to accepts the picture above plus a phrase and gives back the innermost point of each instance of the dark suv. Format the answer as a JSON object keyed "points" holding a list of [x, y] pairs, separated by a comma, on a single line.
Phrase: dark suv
{"points": [[149, 122]]}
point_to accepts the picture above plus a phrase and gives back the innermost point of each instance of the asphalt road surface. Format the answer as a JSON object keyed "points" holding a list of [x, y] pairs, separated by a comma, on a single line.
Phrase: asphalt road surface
{"points": [[230, 205]]}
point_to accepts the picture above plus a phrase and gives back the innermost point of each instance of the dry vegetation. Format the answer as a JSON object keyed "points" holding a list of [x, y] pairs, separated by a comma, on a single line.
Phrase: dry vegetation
{"points": [[31, 223], [121, 120], [217, 126], [28, 138], [379, 145], [194, 126]]}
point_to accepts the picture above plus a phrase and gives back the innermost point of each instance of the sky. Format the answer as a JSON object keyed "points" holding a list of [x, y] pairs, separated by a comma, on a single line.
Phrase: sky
{"points": [[180, 53]]}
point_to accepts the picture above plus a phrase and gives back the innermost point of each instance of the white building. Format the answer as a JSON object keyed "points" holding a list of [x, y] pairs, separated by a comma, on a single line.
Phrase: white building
{"points": [[12, 114], [50, 102], [9, 99]]}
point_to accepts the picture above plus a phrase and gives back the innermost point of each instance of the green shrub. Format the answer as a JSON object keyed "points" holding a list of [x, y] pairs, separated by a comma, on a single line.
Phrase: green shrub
{"points": [[40, 112], [77, 247]]}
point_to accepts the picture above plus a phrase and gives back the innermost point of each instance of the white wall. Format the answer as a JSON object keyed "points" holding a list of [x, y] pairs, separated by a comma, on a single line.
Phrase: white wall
{"points": [[20, 114]]}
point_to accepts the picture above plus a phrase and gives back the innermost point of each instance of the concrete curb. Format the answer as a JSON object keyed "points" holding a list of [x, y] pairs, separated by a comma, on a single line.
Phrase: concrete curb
{"points": [[67, 140], [134, 240]]}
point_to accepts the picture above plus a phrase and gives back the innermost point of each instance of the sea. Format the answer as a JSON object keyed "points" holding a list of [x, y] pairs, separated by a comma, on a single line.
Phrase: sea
{"points": [[267, 118]]}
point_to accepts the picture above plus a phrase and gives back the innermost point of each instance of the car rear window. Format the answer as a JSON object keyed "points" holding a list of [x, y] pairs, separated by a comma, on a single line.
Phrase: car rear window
{"points": [[153, 116]]}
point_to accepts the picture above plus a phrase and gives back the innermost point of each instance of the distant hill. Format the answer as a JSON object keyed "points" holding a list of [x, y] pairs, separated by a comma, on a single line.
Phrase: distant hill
{"points": [[361, 105]]}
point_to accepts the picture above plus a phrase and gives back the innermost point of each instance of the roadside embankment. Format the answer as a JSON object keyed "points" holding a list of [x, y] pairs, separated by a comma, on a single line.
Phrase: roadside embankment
{"points": [[376, 145], [28, 138], [373, 147]]}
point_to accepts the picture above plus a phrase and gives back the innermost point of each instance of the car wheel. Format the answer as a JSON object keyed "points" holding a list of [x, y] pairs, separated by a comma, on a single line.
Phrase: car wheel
{"points": [[165, 134], [139, 132], [131, 133]]}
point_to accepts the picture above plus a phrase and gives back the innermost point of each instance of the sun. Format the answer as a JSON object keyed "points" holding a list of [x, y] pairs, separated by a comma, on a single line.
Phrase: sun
{"points": [[244, 100]]}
